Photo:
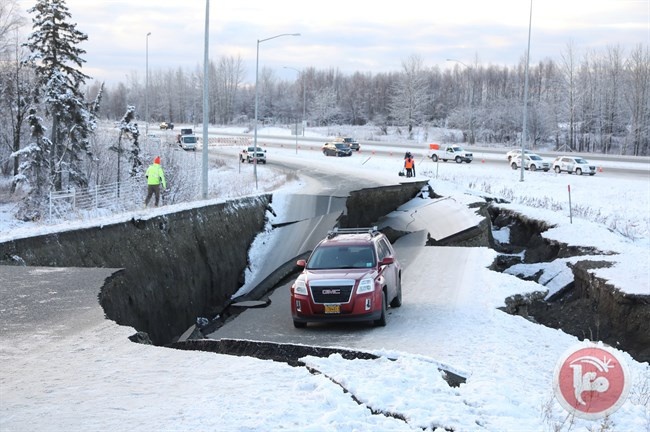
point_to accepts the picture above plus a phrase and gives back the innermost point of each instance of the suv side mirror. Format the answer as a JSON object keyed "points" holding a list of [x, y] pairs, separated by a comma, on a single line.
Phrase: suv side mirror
{"points": [[387, 260], [301, 263]]}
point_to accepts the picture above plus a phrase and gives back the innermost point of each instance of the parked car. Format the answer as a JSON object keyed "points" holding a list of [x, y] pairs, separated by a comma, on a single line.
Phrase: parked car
{"points": [[337, 149], [532, 162], [248, 155], [516, 153], [573, 164], [166, 125], [351, 275]]}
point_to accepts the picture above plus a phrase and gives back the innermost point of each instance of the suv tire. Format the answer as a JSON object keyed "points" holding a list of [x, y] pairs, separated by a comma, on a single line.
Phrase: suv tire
{"points": [[578, 171], [381, 322], [397, 301], [558, 169], [299, 324], [434, 158]]}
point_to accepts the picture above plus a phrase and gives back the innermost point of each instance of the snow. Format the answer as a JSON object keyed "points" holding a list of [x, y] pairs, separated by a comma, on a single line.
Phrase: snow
{"points": [[98, 380]]}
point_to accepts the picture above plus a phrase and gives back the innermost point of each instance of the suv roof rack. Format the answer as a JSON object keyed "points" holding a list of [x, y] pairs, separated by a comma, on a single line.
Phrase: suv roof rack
{"points": [[367, 230]]}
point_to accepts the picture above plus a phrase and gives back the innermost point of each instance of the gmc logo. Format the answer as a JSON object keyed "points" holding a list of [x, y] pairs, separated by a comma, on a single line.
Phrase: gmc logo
{"points": [[331, 291]]}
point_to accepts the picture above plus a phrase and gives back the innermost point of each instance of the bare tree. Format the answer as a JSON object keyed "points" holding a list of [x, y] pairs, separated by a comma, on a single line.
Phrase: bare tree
{"points": [[11, 21], [570, 81], [410, 94], [638, 101]]}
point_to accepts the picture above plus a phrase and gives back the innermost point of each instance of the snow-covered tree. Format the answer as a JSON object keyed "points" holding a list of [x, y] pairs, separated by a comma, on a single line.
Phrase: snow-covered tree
{"points": [[56, 60], [410, 95], [130, 131], [33, 174]]}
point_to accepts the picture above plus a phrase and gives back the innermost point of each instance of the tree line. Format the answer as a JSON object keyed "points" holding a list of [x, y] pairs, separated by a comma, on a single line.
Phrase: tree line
{"points": [[598, 101]]}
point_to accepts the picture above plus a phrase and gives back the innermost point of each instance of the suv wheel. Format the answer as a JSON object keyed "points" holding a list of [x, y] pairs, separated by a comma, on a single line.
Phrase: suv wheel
{"points": [[578, 171], [557, 169], [459, 159], [533, 168], [434, 158], [381, 322], [514, 165], [299, 324], [397, 301]]}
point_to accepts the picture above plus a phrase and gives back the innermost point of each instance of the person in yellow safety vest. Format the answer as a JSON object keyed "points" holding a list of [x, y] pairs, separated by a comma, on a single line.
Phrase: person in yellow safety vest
{"points": [[409, 164], [155, 176]]}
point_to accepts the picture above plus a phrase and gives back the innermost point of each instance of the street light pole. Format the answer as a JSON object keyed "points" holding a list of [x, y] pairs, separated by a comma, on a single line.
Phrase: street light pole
{"points": [[257, 69], [146, 91], [523, 132], [304, 99], [472, 140], [206, 107]]}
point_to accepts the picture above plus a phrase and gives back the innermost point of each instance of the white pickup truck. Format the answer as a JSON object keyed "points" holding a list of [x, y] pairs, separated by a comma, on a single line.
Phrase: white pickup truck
{"points": [[449, 152]]}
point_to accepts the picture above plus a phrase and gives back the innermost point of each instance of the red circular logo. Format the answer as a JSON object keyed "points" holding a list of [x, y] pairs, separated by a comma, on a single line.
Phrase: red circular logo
{"points": [[591, 381]]}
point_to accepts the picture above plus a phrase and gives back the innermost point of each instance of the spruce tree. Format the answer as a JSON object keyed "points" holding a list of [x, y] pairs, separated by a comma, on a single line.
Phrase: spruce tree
{"points": [[56, 59]]}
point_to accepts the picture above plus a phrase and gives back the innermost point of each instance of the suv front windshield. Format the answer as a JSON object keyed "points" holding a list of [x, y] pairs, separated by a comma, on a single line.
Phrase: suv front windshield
{"points": [[337, 257]]}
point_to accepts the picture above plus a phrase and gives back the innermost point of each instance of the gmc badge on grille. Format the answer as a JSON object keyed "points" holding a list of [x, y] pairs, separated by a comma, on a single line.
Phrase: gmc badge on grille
{"points": [[331, 291]]}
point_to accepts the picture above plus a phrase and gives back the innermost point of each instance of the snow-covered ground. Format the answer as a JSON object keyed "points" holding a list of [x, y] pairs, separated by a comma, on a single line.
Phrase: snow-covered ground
{"points": [[98, 380]]}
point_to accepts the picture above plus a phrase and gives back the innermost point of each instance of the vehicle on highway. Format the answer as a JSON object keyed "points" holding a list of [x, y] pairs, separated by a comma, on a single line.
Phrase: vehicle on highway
{"points": [[188, 142], [248, 155], [166, 125], [573, 164], [532, 162], [351, 275], [337, 149], [516, 152], [354, 144], [449, 152]]}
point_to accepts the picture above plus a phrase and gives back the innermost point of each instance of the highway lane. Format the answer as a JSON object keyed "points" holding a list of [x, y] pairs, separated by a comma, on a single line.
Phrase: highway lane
{"points": [[609, 165]]}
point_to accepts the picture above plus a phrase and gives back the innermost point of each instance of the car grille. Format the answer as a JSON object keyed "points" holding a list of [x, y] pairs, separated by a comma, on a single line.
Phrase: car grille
{"points": [[332, 292]]}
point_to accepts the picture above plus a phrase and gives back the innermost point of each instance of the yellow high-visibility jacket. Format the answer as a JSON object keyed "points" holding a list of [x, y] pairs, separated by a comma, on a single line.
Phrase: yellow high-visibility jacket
{"points": [[155, 175]]}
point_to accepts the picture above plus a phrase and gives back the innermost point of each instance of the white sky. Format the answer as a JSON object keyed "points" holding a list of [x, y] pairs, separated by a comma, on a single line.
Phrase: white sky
{"points": [[101, 381], [348, 36]]}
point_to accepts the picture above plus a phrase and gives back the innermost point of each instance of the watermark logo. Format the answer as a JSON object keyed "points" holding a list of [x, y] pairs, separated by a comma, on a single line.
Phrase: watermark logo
{"points": [[591, 381]]}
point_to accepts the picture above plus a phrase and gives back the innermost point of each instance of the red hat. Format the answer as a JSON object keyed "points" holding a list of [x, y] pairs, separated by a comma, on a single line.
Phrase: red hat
{"points": [[157, 160]]}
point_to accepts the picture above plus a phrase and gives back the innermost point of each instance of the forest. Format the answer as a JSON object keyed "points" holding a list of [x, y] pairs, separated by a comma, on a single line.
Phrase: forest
{"points": [[595, 101]]}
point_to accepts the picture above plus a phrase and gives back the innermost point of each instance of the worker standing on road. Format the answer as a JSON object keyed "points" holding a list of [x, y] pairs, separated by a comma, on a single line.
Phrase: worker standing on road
{"points": [[155, 176], [409, 164]]}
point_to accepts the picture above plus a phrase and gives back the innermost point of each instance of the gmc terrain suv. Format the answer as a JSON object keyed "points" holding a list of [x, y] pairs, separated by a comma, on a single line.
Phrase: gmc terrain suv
{"points": [[352, 275]]}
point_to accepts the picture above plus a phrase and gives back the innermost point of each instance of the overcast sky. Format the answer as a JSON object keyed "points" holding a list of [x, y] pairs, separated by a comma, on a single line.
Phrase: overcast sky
{"points": [[351, 36]]}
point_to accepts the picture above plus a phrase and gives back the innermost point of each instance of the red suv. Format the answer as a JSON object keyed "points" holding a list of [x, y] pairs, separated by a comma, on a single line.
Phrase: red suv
{"points": [[352, 275]]}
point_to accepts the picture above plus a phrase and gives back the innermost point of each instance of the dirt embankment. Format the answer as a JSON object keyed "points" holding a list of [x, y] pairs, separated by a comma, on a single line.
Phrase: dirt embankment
{"points": [[588, 307], [175, 267]]}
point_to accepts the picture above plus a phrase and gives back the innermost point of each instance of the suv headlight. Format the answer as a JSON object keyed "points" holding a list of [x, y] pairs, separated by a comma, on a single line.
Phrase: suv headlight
{"points": [[300, 287], [366, 285]]}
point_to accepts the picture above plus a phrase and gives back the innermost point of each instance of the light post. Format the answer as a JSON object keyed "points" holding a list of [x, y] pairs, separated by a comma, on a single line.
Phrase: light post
{"points": [[206, 107], [257, 69], [523, 132], [471, 100], [146, 91], [304, 98]]}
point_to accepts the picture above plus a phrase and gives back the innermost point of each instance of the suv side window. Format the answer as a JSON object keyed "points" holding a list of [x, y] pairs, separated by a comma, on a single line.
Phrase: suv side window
{"points": [[384, 250]]}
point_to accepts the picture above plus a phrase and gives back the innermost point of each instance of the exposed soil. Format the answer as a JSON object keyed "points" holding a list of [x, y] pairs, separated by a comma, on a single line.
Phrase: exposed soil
{"points": [[588, 307]]}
